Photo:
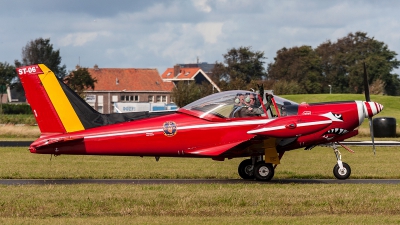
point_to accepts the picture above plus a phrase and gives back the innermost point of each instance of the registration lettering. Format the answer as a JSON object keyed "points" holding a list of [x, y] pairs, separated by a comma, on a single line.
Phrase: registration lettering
{"points": [[28, 70]]}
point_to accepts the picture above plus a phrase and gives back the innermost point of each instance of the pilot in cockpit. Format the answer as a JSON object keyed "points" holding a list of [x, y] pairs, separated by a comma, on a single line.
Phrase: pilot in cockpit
{"points": [[253, 107], [239, 100]]}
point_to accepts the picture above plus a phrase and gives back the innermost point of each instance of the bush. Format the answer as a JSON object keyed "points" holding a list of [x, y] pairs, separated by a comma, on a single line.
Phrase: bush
{"points": [[17, 119], [16, 109]]}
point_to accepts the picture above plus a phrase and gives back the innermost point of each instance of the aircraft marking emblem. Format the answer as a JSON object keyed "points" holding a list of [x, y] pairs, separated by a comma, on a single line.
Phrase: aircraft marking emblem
{"points": [[169, 128]]}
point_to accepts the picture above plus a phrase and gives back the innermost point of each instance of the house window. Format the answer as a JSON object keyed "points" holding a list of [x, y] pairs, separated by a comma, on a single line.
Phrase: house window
{"points": [[114, 98], [100, 109], [151, 98], [100, 100], [158, 99], [129, 98], [164, 98]]}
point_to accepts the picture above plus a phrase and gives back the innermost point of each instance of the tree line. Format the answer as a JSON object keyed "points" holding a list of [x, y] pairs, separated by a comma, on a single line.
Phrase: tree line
{"points": [[41, 51], [335, 66], [332, 66], [339, 64]]}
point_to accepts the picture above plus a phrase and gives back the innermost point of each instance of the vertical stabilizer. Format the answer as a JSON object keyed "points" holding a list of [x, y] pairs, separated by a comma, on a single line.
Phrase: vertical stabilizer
{"points": [[50, 105]]}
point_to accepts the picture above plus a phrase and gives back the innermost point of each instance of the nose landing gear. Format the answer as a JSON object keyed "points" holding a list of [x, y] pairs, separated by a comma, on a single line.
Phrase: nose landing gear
{"points": [[341, 170]]}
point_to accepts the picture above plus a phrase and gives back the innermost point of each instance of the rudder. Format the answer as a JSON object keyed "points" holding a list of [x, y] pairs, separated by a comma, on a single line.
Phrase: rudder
{"points": [[50, 105]]}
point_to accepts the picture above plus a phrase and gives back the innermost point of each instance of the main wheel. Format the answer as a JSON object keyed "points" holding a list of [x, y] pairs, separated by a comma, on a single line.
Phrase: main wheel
{"points": [[263, 171], [245, 169], [342, 174]]}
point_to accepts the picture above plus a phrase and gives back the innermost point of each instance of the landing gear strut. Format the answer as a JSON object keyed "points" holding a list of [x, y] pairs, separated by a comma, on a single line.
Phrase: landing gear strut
{"points": [[341, 170]]}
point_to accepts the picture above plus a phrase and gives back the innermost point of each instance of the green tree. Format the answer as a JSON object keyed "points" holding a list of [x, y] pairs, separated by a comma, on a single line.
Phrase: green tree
{"points": [[339, 64], [41, 51], [300, 65], [80, 80], [7, 74], [240, 67], [186, 92], [342, 63]]}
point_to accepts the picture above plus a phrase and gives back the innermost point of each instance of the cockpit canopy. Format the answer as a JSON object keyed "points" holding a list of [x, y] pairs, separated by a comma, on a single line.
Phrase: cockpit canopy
{"points": [[223, 104], [233, 104], [285, 106]]}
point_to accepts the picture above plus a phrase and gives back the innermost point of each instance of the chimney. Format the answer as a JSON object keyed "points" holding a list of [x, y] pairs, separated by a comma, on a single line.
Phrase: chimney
{"points": [[177, 69], [96, 67]]}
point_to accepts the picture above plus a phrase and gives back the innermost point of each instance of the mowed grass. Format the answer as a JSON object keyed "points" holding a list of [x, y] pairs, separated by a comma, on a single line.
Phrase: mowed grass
{"points": [[18, 163], [201, 204], [245, 203]]}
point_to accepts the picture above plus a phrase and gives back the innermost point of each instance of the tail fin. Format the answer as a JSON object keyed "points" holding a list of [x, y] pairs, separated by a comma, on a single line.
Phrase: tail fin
{"points": [[58, 109], [48, 99]]}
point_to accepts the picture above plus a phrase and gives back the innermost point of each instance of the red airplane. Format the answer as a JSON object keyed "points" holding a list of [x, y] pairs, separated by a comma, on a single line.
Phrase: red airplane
{"points": [[221, 126]]}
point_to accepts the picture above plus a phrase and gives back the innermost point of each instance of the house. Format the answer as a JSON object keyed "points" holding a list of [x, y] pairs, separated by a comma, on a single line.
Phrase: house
{"points": [[13, 94], [128, 89], [206, 67], [179, 74]]}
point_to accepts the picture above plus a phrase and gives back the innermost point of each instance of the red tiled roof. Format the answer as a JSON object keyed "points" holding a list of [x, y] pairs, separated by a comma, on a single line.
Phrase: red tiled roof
{"points": [[184, 73], [129, 79]]}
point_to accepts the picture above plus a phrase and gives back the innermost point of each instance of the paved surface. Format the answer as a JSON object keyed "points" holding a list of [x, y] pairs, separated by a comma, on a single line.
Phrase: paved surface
{"points": [[191, 181], [15, 143]]}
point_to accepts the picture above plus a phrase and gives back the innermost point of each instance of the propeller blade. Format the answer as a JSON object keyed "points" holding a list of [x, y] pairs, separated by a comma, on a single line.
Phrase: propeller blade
{"points": [[368, 99], [371, 128], [366, 87]]}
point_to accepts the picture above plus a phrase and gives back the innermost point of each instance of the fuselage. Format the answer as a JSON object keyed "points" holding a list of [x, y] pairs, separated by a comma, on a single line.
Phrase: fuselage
{"points": [[184, 134]]}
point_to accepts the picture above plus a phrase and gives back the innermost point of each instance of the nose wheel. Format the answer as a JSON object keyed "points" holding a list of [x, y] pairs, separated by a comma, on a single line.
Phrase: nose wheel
{"points": [[342, 173]]}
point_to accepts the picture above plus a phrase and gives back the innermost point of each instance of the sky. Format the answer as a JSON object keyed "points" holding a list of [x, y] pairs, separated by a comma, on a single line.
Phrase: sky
{"points": [[161, 33]]}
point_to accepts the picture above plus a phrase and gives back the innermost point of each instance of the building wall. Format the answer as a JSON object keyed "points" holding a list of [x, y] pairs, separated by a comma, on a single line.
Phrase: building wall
{"points": [[103, 101], [4, 98]]}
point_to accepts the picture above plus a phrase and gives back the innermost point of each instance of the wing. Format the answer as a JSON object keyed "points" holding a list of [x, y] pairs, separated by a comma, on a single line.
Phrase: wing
{"points": [[292, 126]]}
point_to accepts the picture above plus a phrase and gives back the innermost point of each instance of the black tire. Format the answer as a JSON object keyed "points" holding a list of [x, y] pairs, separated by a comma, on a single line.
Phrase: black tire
{"points": [[344, 174], [263, 171], [246, 169]]}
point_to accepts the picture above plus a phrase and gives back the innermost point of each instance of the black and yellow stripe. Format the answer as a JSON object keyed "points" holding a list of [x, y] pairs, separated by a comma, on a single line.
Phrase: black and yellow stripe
{"points": [[73, 112], [60, 101]]}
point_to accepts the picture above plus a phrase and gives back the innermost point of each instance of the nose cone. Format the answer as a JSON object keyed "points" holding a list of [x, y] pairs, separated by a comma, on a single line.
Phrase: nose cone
{"points": [[371, 109]]}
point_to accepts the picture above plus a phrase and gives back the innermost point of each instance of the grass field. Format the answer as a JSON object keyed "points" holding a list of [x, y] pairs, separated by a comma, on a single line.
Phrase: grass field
{"points": [[18, 163], [201, 203], [251, 203]]}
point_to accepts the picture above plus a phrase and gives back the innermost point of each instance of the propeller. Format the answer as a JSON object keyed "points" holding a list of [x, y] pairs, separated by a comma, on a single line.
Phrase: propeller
{"points": [[368, 99]]}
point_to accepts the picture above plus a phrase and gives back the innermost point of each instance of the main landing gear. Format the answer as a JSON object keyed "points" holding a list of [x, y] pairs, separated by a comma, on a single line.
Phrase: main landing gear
{"points": [[256, 168]]}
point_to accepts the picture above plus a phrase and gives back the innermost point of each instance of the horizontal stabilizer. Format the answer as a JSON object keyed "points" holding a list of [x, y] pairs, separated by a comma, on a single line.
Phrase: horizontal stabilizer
{"points": [[292, 126], [52, 141]]}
